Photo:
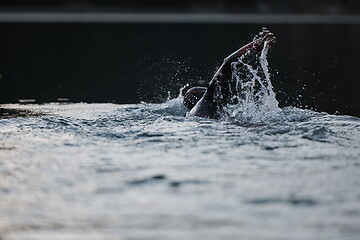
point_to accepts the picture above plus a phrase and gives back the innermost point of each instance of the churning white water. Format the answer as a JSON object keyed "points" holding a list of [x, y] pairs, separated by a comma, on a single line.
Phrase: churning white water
{"points": [[145, 171], [253, 91]]}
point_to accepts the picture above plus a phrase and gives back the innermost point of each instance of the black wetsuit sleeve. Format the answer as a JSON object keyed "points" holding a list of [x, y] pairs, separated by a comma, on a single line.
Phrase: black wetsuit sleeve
{"points": [[218, 89], [215, 98]]}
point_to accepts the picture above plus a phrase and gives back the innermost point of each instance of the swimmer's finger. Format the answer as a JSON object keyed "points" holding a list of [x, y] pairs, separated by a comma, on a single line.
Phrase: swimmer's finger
{"points": [[268, 43], [269, 36], [264, 31]]}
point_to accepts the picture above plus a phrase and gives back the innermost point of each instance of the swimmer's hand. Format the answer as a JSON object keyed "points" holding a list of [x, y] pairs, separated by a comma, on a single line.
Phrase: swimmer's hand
{"points": [[264, 37]]}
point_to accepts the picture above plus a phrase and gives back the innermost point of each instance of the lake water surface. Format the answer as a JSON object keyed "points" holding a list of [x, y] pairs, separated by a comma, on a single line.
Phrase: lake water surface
{"points": [[146, 171]]}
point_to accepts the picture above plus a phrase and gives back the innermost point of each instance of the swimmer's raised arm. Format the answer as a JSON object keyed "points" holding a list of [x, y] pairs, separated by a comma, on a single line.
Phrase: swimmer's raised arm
{"points": [[220, 80], [215, 97]]}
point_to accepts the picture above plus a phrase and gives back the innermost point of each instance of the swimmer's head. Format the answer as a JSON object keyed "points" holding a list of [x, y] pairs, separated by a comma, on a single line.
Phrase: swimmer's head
{"points": [[193, 95]]}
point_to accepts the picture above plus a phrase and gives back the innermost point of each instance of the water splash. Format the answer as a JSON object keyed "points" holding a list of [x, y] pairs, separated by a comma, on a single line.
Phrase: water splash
{"points": [[182, 89], [179, 96], [252, 91], [256, 99], [173, 106]]}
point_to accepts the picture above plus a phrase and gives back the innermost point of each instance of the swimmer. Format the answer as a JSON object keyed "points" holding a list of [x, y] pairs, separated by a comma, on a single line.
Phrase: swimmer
{"points": [[208, 102]]}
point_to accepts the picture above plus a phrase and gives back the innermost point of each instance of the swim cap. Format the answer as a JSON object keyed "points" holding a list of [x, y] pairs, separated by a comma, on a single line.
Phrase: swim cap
{"points": [[193, 95]]}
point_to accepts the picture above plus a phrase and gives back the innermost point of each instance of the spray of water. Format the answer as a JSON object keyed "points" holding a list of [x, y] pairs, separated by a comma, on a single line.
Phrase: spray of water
{"points": [[182, 89], [253, 91]]}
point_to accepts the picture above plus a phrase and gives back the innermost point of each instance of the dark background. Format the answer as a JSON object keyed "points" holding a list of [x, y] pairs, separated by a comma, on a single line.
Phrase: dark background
{"points": [[175, 6], [314, 65]]}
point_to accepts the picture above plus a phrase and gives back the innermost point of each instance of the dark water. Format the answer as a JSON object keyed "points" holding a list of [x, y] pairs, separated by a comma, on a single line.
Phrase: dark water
{"points": [[145, 171]]}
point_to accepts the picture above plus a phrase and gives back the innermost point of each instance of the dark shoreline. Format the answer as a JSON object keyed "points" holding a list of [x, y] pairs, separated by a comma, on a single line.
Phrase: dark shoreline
{"points": [[15, 113]]}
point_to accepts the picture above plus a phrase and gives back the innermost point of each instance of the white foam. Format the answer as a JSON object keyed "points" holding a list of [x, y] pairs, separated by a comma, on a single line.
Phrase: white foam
{"points": [[257, 99]]}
